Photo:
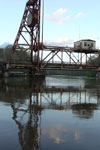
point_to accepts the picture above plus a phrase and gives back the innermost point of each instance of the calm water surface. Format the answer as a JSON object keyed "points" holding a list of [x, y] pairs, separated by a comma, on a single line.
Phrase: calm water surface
{"points": [[58, 113]]}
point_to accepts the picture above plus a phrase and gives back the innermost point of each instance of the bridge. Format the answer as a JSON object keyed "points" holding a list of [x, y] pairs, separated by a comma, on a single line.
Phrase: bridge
{"points": [[42, 57]]}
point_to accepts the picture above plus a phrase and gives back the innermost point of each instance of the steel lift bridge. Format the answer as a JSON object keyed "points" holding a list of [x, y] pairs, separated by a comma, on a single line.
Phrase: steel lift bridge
{"points": [[40, 57]]}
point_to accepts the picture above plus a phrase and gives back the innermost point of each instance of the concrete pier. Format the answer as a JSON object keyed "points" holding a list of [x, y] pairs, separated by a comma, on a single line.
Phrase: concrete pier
{"points": [[6, 74]]}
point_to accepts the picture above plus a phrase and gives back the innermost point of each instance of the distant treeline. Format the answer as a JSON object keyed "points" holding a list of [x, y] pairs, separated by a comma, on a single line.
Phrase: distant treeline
{"points": [[24, 56], [18, 55], [94, 61]]}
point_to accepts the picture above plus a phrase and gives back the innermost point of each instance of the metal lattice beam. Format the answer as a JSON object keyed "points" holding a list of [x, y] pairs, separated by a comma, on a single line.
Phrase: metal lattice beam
{"points": [[28, 36]]}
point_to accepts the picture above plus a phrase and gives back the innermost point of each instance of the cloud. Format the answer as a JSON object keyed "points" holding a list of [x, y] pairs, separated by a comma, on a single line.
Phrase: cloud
{"points": [[59, 16], [59, 134], [62, 41], [63, 20], [59, 12], [77, 135], [56, 133], [80, 14]]}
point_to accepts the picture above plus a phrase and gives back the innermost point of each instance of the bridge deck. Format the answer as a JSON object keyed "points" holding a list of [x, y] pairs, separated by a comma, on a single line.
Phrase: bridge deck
{"points": [[75, 62], [56, 66]]}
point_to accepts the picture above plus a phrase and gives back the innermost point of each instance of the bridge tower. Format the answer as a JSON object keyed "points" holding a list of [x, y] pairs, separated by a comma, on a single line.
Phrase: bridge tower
{"points": [[28, 37]]}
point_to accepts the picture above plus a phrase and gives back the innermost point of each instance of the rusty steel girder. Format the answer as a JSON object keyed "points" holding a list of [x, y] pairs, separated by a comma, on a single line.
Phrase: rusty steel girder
{"points": [[28, 36], [42, 57]]}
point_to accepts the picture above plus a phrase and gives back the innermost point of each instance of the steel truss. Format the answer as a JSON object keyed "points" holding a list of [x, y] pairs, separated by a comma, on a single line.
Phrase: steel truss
{"points": [[40, 57], [69, 58], [42, 98], [28, 36]]}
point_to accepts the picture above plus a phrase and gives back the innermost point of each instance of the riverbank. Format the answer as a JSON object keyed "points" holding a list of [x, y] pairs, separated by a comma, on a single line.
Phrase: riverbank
{"points": [[72, 73], [26, 73]]}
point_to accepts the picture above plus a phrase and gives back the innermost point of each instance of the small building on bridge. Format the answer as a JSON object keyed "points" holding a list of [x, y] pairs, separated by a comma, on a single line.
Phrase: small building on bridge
{"points": [[86, 44]]}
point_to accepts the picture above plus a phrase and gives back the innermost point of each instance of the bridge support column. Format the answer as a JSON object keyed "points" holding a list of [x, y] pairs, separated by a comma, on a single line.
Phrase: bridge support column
{"points": [[99, 68], [6, 74], [98, 75], [81, 67], [6, 71], [32, 72]]}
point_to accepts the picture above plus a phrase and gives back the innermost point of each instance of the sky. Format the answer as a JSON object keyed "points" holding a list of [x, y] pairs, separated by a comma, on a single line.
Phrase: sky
{"points": [[65, 21]]}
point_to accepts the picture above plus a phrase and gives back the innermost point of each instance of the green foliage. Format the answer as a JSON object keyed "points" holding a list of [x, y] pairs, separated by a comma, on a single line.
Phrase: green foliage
{"points": [[93, 61], [91, 73], [21, 56]]}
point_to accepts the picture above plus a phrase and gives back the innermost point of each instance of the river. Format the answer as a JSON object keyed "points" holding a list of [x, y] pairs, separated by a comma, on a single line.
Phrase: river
{"points": [[55, 113]]}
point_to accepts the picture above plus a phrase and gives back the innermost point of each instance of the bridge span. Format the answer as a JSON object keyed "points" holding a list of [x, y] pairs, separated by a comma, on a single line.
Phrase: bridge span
{"points": [[58, 58], [62, 58], [29, 40]]}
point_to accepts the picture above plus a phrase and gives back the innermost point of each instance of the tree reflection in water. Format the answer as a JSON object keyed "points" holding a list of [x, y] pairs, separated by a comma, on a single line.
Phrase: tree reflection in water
{"points": [[84, 110]]}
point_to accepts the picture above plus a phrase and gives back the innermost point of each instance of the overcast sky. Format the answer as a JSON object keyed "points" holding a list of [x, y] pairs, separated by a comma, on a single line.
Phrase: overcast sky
{"points": [[66, 21]]}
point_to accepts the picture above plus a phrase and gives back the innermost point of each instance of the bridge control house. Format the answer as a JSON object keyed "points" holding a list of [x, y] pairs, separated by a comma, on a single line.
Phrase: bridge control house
{"points": [[85, 44]]}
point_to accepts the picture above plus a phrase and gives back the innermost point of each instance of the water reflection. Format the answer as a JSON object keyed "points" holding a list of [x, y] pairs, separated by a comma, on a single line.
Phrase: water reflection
{"points": [[60, 134], [32, 101], [29, 132]]}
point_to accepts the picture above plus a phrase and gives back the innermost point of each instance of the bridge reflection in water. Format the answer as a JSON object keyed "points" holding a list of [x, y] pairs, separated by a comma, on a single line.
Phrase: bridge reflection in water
{"points": [[29, 100]]}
